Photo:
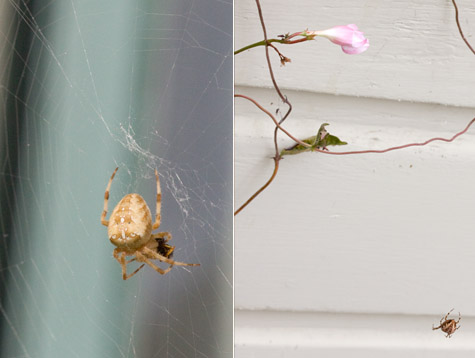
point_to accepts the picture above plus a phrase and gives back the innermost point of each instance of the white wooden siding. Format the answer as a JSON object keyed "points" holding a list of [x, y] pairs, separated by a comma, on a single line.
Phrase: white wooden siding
{"points": [[357, 254]]}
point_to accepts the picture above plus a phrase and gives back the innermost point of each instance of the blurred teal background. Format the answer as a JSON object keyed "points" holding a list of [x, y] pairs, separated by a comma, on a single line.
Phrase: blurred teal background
{"points": [[87, 86]]}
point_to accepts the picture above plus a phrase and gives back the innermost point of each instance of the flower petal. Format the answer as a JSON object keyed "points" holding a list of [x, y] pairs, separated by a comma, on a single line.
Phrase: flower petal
{"points": [[348, 37], [352, 50]]}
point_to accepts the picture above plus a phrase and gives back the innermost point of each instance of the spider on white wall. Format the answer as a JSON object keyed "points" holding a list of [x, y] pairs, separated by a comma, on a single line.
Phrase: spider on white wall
{"points": [[448, 326], [130, 229]]}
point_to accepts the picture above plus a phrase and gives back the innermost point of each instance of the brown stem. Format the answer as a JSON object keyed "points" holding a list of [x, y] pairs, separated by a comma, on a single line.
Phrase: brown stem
{"points": [[460, 28], [276, 168], [273, 118], [274, 82], [401, 146], [271, 72], [277, 156], [283, 59]]}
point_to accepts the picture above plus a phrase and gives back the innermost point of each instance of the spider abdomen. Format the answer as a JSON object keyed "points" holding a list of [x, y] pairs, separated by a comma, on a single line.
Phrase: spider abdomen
{"points": [[130, 224]]}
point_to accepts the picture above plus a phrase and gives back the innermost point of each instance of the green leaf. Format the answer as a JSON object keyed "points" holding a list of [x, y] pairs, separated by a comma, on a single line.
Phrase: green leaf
{"points": [[319, 141]]}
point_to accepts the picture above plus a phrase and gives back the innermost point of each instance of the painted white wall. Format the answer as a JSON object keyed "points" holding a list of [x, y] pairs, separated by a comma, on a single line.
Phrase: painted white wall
{"points": [[357, 254]]}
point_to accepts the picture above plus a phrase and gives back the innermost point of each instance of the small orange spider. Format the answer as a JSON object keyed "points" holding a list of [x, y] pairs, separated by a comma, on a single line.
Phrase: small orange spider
{"points": [[130, 229], [448, 326]]}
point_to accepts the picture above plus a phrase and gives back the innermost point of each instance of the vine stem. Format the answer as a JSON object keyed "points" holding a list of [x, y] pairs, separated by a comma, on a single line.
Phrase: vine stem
{"points": [[284, 99], [276, 160], [273, 118], [401, 146], [268, 42], [269, 65], [276, 168], [460, 28], [259, 43]]}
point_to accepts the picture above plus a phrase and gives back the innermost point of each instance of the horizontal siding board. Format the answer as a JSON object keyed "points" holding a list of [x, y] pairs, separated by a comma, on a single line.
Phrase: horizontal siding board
{"points": [[389, 233], [310, 334]]}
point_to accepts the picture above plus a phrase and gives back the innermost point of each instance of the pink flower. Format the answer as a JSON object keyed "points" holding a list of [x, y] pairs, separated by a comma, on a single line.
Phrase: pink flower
{"points": [[348, 37]]}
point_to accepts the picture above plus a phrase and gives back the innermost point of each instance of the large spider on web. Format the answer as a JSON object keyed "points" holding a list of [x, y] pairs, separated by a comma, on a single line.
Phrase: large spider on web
{"points": [[130, 229]]}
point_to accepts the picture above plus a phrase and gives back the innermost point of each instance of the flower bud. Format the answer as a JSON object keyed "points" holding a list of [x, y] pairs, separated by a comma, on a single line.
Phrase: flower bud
{"points": [[351, 40]]}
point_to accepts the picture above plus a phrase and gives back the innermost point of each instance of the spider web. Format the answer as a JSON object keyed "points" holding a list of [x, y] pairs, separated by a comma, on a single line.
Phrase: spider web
{"points": [[88, 86]]}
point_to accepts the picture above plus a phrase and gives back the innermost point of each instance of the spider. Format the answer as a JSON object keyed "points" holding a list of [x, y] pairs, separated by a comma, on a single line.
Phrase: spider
{"points": [[448, 326], [130, 229]]}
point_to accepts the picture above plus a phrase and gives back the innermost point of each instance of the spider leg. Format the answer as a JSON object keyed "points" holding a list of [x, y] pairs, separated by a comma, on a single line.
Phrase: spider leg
{"points": [[434, 328], [154, 255], [143, 258], [158, 212], [121, 260], [106, 200]]}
